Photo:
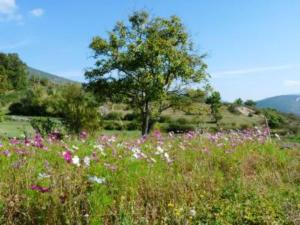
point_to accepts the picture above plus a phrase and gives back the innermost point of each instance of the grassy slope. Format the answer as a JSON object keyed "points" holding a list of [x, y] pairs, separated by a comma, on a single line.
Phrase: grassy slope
{"points": [[15, 128]]}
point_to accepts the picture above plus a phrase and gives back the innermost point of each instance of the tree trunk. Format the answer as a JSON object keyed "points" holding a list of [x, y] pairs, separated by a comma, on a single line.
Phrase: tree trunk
{"points": [[145, 119]]}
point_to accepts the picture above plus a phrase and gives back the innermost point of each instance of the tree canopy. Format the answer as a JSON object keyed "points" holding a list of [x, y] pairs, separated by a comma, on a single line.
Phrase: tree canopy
{"points": [[13, 73], [144, 62]]}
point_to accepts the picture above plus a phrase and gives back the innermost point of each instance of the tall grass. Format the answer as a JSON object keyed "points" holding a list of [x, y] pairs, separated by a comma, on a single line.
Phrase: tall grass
{"points": [[223, 178]]}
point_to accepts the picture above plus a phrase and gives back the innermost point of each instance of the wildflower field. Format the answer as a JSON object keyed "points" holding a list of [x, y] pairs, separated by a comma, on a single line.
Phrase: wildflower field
{"points": [[233, 177]]}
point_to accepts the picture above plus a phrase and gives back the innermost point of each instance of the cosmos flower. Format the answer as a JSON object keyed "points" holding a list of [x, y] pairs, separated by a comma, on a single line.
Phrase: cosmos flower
{"points": [[40, 188], [87, 161], [76, 160], [67, 156], [98, 180]]}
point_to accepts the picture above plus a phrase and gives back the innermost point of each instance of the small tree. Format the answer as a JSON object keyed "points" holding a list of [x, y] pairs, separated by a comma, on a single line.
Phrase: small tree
{"points": [[80, 110], [215, 104], [250, 103], [238, 102], [143, 63]]}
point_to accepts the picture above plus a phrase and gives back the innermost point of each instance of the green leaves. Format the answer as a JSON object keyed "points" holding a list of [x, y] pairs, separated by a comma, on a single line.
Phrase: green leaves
{"points": [[143, 61]]}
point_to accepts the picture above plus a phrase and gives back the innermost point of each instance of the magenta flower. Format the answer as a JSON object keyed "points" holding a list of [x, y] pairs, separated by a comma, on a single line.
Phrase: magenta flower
{"points": [[83, 135], [67, 156], [40, 188]]}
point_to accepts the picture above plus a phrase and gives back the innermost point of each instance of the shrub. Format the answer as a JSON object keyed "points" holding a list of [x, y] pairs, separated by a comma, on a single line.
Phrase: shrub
{"points": [[275, 120], [45, 126], [131, 116], [80, 110], [113, 116], [182, 121], [179, 127], [133, 126], [233, 109], [164, 119], [113, 125]]}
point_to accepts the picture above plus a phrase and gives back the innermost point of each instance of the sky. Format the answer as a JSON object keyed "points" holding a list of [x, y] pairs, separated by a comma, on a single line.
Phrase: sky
{"points": [[253, 47]]}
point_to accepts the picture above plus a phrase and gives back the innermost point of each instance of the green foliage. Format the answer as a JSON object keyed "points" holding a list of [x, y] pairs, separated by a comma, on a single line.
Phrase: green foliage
{"points": [[274, 118], [80, 110], [13, 74], [177, 127], [149, 55], [250, 103], [45, 126], [233, 109], [113, 116], [131, 116], [238, 102], [113, 125], [215, 104]]}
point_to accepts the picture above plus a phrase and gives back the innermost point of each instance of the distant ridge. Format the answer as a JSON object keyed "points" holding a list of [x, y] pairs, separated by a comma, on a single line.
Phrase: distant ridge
{"points": [[283, 103], [51, 77]]}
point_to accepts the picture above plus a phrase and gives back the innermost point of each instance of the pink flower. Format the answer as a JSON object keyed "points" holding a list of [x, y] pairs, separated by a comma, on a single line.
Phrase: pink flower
{"points": [[40, 188], [67, 156]]}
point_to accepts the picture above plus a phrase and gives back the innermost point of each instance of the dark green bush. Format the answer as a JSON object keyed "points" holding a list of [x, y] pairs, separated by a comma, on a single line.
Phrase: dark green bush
{"points": [[45, 126], [182, 120], [164, 119], [131, 116], [133, 126], [179, 127], [113, 116], [113, 125]]}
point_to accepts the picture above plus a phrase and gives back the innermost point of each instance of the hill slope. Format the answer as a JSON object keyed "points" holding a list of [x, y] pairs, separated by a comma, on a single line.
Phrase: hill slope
{"points": [[283, 103], [51, 77]]}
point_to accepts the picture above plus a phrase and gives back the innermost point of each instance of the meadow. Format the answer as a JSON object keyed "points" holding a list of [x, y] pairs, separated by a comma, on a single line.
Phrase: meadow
{"points": [[232, 177]]}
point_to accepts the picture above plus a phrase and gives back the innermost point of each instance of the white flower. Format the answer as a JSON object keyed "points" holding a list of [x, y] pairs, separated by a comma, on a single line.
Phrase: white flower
{"points": [[43, 175], [167, 157], [193, 212], [100, 148], [87, 161], [98, 180], [277, 136], [76, 160], [159, 150]]}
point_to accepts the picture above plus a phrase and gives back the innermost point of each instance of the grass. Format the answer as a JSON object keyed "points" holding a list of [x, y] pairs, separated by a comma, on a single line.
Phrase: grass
{"points": [[223, 178], [15, 128]]}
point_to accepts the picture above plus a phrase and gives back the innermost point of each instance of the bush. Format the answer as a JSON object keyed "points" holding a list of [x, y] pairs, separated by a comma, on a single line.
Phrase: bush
{"points": [[182, 121], [179, 127], [275, 120], [131, 116], [113, 116], [45, 126], [113, 125], [233, 109], [80, 110], [133, 126], [164, 119]]}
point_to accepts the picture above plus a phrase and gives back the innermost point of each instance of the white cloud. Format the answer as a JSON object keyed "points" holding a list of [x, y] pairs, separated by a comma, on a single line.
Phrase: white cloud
{"points": [[9, 11], [7, 6], [292, 83], [37, 12], [221, 74]]}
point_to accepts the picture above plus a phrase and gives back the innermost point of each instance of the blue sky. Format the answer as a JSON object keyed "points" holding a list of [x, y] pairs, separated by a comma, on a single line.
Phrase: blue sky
{"points": [[253, 46]]}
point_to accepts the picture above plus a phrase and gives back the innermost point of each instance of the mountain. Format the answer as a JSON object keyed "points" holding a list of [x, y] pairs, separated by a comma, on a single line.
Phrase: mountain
{"points": [[283, 103], [51, 77]]}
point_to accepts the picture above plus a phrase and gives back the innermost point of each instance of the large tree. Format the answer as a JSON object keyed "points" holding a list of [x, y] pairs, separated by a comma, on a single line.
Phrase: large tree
{"points": [[144, 62], [13, 73]]}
